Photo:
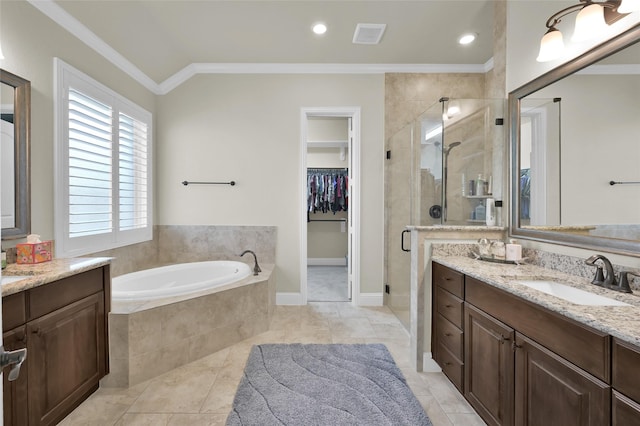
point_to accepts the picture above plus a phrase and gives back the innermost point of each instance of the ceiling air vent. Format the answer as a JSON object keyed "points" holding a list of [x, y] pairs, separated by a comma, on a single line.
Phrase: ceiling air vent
{"points": [[368, 33]]}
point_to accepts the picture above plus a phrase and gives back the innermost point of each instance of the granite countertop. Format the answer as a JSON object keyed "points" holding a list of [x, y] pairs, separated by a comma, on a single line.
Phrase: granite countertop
{"points": [[622, 322], [46, 272]]}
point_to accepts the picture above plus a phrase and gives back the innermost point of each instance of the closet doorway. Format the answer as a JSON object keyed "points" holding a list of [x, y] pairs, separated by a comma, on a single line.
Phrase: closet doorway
{"points": [[330, 226]]}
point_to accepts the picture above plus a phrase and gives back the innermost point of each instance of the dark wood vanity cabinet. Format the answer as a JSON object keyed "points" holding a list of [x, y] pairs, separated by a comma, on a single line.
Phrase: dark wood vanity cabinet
{"points": [[65, 333], [625, 372], [448, 323], [526, 365], [489, 363]]}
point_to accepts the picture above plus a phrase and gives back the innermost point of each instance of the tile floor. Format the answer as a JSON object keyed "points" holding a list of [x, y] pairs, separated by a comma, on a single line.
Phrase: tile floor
{"points": [[327, 284], [201, 393]]}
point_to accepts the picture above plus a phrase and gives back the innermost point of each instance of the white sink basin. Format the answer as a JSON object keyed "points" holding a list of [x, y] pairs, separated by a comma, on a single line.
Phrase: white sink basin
{"points": [[571, 294], [11, 279]]}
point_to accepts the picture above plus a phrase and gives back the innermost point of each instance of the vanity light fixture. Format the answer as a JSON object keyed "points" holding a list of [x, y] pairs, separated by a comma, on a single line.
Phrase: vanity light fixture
{"points": [[319, 28], [591, 22]]}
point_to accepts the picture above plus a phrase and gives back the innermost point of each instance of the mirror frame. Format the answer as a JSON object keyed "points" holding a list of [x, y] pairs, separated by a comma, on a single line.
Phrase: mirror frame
{"points": [[599, 52], [22, 136]]}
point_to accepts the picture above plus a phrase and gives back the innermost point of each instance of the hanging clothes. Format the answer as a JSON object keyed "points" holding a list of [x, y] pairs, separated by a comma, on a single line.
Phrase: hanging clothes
{"points": [[327, 190]]}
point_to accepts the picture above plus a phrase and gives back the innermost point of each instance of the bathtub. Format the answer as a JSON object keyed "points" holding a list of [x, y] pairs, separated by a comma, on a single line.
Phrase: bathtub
{"points": [[176, 280], [165, 317]]}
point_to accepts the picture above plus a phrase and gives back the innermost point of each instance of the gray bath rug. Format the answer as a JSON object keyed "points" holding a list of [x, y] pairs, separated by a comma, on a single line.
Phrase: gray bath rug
{"points": [[324, 385]]}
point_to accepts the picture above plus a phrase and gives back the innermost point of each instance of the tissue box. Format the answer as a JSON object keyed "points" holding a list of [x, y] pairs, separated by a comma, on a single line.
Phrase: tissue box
{"points": [[27, 253]]}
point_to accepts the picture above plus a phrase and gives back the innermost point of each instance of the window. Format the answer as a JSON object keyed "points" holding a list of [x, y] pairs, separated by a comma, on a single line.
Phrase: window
{"points": [[103, 167]]}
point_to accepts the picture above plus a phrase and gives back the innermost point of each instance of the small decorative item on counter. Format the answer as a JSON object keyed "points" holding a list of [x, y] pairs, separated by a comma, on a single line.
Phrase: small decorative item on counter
{"points": [[498, 250], [33, 251], [514, 250], [4, 259]]}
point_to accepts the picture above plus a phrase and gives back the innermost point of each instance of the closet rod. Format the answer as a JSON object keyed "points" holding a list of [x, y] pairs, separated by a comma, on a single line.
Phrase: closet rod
{"points": [[325, 169], [185, 183]]}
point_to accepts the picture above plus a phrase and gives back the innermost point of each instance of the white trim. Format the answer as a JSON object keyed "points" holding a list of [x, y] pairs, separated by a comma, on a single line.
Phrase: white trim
{"points": [[327, 144], [326, 261], [354, 196], [288, 68], [289, 299], [84, 34], [371, 299], [428, 364]]}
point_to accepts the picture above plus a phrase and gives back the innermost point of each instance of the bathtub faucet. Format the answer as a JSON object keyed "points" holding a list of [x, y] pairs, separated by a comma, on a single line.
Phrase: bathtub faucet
{"points": [[256, 268]]}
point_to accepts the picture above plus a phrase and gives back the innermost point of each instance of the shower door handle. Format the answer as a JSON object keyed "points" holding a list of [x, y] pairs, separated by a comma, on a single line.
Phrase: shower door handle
{"points": [[402, 240]]}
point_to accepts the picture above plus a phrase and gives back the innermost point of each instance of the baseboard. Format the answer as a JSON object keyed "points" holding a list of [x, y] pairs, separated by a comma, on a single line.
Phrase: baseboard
{"points": [[370, 299], [289, 299], [326, 261], [428, 364]]}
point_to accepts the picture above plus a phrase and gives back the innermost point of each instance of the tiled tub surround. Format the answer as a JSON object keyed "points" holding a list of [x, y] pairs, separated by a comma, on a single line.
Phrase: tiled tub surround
{"points": [[622, 322], [195, 243], [150, 338]]}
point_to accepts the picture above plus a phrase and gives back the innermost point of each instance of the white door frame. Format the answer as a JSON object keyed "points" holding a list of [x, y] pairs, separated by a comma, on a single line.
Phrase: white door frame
{"points": [[354, 194]]}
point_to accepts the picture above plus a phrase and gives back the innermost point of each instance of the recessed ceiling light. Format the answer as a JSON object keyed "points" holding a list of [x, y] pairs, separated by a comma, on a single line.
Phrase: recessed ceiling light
{"points": [[467, 38], [319, 28]]}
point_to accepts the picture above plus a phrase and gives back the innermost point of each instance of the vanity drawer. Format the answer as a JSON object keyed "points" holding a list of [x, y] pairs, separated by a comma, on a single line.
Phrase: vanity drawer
{"points": [[450, 336], [447, 278], [450, 307], [626, 369], [13, 311], [50, 297], [451, 366]]}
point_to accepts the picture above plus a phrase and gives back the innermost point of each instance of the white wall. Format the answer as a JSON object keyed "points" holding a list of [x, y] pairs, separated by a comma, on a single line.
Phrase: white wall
{"points": [[247, 128], [30, 41]]}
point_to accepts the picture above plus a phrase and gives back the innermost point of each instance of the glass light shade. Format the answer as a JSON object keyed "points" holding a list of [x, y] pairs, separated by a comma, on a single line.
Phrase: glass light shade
{"points": [[590, 23], [453, 108], [629, 6], [551, 46]]}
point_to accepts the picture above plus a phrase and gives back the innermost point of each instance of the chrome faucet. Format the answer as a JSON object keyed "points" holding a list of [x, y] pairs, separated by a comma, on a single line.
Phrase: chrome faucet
{"points": [[256, 267], [609, 281]]}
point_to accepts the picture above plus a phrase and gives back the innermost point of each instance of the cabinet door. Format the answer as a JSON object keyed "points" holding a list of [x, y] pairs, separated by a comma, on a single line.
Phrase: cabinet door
{"points": [[489, 363], [66, 358], [624, 411], [15, 393], [552, 391]]}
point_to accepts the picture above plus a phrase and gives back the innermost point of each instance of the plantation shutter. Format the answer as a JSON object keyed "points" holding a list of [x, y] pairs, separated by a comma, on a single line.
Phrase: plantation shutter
{"points": [[133, 174], [90, 166]]}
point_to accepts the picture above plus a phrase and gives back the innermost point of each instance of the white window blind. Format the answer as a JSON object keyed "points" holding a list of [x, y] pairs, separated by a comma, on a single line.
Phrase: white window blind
{"points": [[103, 167]]}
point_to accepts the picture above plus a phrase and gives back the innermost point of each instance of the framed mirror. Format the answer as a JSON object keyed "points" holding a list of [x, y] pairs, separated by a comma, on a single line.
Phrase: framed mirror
{"points": [[15, 116], [575, 151]]}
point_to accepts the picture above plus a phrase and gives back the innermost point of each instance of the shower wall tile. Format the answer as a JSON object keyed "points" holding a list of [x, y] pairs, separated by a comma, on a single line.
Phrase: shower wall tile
{"points": [[134, 257]]}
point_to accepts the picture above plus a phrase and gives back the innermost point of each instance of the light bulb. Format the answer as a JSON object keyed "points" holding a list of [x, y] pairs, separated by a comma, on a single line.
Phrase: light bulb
{"points": [[590, 23], [629, 6], [551, 46]]}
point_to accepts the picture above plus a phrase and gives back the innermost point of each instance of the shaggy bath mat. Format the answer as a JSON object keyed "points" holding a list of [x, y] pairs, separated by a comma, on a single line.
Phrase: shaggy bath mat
{"points": [[324, 385]]}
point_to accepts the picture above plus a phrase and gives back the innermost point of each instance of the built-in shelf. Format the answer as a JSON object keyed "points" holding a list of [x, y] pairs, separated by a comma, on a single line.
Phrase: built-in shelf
{"points": [[476, 221], [478, 197]]}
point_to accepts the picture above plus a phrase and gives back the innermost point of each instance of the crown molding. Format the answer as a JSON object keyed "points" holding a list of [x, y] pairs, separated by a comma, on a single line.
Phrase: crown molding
{"points": [[80, 31]]}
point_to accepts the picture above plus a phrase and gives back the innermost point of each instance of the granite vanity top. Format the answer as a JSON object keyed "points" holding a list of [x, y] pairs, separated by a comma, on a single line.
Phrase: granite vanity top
{"points": [[46, 272], [622, 322]]}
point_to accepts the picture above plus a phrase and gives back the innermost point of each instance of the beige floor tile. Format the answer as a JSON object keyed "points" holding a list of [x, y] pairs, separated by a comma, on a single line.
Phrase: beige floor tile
{"points": [[145, 419], [197, 420], [202, 392], [182, 390], [466, 420]]}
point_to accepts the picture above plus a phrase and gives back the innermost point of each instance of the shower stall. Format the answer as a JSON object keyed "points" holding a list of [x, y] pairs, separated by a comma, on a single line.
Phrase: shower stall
{"points": [[441, 170]]}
